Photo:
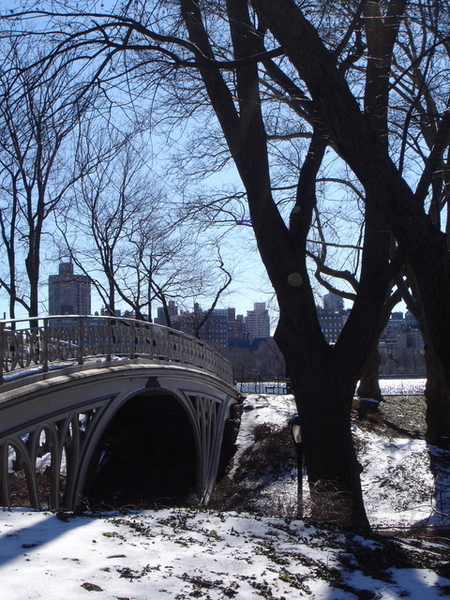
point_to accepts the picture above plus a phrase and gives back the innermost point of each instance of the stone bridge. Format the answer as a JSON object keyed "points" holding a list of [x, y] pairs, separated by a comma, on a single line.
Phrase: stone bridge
{"points": [[111, 412]]}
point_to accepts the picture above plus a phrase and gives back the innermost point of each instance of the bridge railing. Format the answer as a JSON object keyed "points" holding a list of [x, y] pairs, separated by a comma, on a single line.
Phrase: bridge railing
{"points": [[40, 342]]}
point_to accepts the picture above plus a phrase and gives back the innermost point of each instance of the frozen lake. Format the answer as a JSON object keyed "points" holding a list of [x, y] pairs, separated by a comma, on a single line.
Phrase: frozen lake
{"points": [[400, 386]]}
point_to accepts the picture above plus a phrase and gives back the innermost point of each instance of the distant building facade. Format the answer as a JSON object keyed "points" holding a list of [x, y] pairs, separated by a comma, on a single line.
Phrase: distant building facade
{"points": [[331, 323], [69, 294], [333, 302], [172, 311], [401, 334], [258, 322], [332, 317], [215, 330], [400, 346], [237, 330]]}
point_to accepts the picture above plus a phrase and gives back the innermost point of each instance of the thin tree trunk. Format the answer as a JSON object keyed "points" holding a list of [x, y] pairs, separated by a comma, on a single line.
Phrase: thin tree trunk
{"points": [[437, 389], [369, 384], [437, 395]]}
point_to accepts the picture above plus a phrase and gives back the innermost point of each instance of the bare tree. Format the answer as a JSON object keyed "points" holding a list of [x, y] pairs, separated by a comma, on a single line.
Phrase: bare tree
{"points": [[411, 198], [39, 162], [421, 242], [123, 231]]}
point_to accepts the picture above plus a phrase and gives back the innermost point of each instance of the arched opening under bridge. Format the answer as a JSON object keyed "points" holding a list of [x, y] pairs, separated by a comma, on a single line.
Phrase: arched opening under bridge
{"points": [[146, 456]]}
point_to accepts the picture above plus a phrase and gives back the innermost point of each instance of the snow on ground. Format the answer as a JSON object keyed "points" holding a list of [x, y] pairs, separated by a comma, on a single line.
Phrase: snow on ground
{"points": [[187, 553], [399, 487], [181, 554]]}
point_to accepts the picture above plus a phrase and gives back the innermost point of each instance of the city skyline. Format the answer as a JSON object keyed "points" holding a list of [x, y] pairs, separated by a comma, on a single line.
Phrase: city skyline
{"points": [[223, 327]]}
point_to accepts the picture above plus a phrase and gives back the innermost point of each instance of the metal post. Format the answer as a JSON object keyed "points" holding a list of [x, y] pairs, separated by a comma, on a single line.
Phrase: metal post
{"points": [[45, 338], [2, 350], [108, 339], [296, 432], [80, 348], [133, 340]]}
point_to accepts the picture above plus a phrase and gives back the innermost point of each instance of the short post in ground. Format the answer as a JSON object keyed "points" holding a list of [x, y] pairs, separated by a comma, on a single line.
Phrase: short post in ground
{"points": [[296, 432]]}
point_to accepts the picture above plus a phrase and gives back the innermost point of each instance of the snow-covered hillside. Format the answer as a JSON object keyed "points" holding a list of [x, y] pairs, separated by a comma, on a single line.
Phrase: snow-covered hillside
{"points": [[400, 488]]}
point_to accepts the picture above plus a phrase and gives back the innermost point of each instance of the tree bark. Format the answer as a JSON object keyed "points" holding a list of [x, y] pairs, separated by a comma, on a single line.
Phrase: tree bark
{"points": [[437, 395], [369, 385], [324, 400]]}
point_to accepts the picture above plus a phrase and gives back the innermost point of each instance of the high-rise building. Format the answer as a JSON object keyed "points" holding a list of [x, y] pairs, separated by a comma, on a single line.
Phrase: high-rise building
{"points": [[237, 331], [69, 294], [215, 330], [331, 323], [333, 302], [172, 310], [258, 322]]}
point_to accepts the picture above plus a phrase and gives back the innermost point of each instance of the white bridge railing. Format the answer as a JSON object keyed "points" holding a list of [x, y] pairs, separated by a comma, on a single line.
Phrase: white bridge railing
{"points": [[43, 341]]}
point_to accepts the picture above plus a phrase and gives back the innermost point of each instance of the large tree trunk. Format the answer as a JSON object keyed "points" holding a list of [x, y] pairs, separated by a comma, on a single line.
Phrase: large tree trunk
{"points": [[437, 389], [324, 394]]}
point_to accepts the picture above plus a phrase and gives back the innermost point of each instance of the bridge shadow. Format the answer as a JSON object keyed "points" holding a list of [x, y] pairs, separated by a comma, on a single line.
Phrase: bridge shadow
{"points": [[48, 527], [145, 458]]}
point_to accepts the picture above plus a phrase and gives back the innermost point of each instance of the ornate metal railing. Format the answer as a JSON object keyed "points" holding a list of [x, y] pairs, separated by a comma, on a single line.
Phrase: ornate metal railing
{"points": [[44, 341]]}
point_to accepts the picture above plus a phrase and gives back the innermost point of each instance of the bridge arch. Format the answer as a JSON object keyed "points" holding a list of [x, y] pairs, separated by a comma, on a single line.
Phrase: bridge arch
{"points": [[148, 453]]}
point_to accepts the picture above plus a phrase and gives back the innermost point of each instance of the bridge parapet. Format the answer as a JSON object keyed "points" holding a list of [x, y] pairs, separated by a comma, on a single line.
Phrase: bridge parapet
{"points": [[44, 341]]}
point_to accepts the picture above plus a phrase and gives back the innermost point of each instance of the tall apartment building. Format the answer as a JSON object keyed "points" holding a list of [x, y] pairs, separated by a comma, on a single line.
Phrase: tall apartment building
{"points": [[215, 330], [258, 322], [69, 294], [333, 302], [331, 323], [331, 317], [237, 330], [172, 309]]}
